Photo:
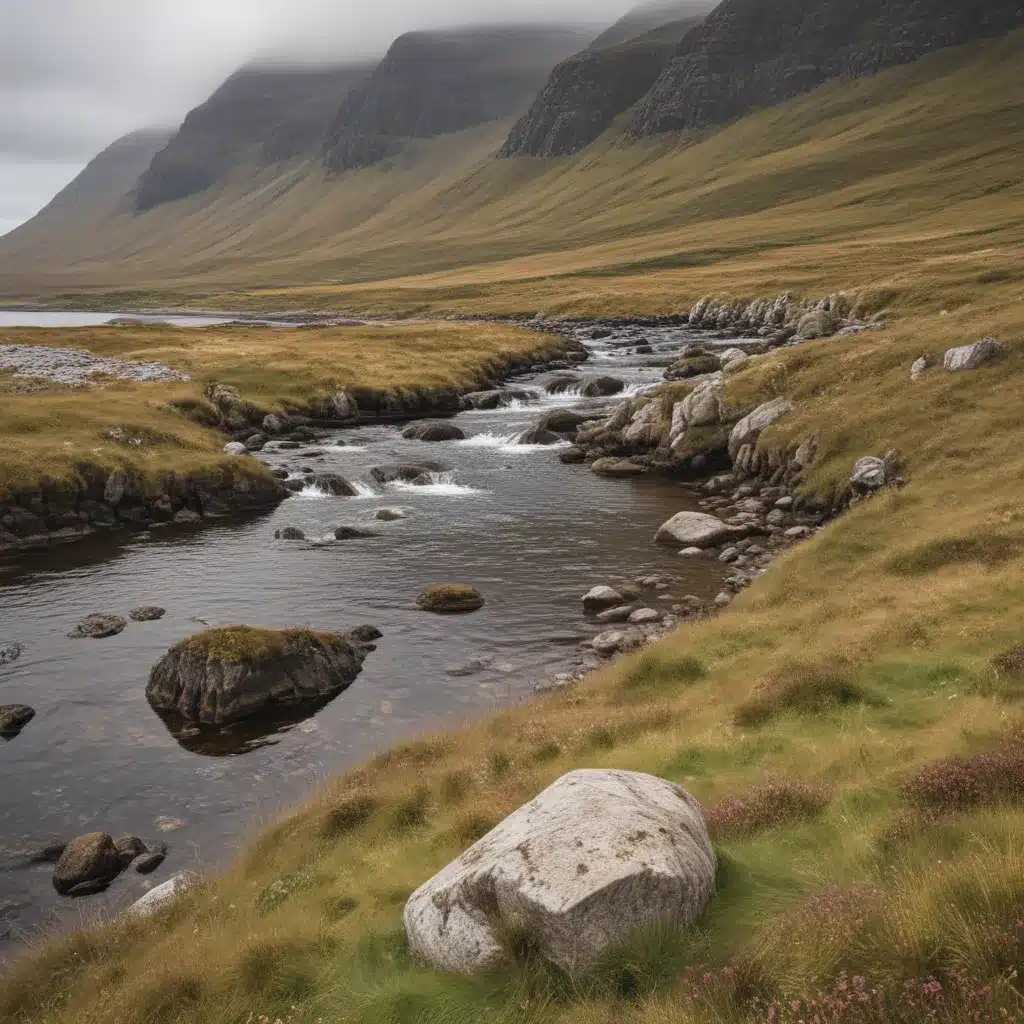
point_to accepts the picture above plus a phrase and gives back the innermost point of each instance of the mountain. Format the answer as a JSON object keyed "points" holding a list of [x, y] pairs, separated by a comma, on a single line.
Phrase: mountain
{"points": [[750, 54], [436, 83], [586, 92], [648, 17], [95, 196], [260, 115]]}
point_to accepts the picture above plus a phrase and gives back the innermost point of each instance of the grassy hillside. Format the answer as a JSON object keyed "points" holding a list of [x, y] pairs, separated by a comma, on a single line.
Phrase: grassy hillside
{"points": [[869, 686], [857, 184]]}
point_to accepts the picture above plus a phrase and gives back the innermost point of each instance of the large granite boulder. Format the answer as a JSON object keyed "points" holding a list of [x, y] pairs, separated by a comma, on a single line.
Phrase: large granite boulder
{"points": [[163, 895], [749, 429], [696, 530], [973, 357], [595, 857], [88, 865], [224, 675]]}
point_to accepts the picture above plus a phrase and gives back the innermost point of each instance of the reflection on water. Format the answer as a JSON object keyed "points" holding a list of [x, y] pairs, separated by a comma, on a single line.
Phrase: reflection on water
{"points": [[531, 534]]}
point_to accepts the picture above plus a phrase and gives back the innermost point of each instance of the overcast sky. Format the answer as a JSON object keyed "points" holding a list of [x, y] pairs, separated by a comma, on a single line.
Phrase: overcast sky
{"points": [[77, 74]]}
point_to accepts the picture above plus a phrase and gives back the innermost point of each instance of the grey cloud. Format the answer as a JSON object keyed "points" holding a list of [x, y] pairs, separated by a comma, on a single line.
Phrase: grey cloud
{"points": [[77, 74]]}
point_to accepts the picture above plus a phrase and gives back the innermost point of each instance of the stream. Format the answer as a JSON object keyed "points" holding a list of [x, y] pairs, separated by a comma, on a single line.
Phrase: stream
{"points": [[532, 534]]}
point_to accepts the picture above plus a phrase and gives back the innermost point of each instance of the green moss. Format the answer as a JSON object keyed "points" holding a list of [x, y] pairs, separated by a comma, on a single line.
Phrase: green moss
{"points": [[252, 646]]}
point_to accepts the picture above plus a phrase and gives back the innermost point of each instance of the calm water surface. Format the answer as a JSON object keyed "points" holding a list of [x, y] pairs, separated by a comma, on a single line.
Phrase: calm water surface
{"points": [[531, 534]]}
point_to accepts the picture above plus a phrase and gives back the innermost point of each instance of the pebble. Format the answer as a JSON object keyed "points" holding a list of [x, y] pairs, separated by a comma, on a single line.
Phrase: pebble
{"points": [[74, 366]]}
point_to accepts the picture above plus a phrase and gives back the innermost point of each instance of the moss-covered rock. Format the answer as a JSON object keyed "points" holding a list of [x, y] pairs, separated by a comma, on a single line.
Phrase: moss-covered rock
{"points": [[223, 675], [451, 599]]}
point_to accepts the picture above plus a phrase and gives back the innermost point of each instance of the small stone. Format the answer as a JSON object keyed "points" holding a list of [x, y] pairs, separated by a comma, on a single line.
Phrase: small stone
{"points": [[645, 617], [236, 448], [147, 613], [290, 533], [723, 600], [797, 532], [920, 368], [390, 515], [148, 863], [129, 848], [729, 555], [692, 552], [10, 652], [98, 627], [186, 517], [600, 598], [620, 614], [784, 502], [616, 640], [868, 474], [451, 599]]}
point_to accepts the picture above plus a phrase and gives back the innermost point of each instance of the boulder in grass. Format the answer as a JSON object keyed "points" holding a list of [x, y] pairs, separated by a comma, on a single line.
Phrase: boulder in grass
{"points": [[162, 895], [435, 430], [750, 428], [451, 599], [224, 675], [868, 475], [594, 858], [973, 357]]}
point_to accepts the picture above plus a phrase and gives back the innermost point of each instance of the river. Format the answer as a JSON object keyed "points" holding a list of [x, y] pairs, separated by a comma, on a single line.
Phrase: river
{"points": [[531, 533]]}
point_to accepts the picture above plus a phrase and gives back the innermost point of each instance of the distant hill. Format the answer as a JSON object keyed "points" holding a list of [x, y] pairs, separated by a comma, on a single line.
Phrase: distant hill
{"points": [[100, 192], [260, 115], [586, 92], [750, 54], [436, 83], [650, 17]]}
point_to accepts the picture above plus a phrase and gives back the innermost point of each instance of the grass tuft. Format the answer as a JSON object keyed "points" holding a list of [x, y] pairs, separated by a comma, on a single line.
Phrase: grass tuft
{"points": [[803, 688]]}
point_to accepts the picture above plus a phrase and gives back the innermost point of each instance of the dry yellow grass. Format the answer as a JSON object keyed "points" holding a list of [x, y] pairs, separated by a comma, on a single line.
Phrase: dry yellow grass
{"points": [[58, 432]]}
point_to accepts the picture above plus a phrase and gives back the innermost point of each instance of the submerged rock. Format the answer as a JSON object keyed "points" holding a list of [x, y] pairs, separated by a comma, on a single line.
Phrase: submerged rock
{"points": [[353, 533], [290, 533], [92, 861], [98, 627], [224, 675], [147, 613], [592, 859], [617, 468], [14, 718], [438, 430], [451, 599], [391, 515], [562, 421]]}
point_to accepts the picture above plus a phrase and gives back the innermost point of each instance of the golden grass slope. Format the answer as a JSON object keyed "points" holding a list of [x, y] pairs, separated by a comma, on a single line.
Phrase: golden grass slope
{"points": [[853, 185], [55, 432]]}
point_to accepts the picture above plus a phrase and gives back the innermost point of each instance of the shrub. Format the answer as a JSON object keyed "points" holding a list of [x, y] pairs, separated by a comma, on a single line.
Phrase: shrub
{"points": [[775, 803], [958, 784], [1010, 664], [808, 688]]}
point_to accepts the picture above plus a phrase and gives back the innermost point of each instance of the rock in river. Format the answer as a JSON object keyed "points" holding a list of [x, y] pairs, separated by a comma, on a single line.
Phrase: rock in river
{"points": [[353, 533], [335, 484], [451, 599], [290, 533], [539, 435], [90, 862], [147, 613], [600, 598], [224, 675], [602, 387], [594, 858], [97, 627], [9, 652], [696, 530], [391, 515], [436, 430], [617, 468], [14, 718], [405, 472]]}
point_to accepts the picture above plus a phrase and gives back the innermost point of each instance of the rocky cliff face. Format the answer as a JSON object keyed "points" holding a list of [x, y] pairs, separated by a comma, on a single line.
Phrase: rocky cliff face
{"points": [[259, 115], [750, 54], [649, 18], [435, 83]]}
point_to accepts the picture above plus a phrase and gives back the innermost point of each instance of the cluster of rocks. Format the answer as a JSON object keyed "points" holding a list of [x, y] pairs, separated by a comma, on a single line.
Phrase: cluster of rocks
{"points": [[964, 357], [782, 319], [51, 512], [101, 626], [89, 864], [77, 367]]}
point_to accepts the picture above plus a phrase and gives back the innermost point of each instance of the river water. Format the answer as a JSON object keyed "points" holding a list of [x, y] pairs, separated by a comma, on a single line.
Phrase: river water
{"points": [[531, 533]]}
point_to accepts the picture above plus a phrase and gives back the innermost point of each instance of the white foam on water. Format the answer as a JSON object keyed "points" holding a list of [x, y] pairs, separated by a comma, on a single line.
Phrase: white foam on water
{"points": [[488, 439], [365, 490], [442, 485], [312, 492], [342, 448]]}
